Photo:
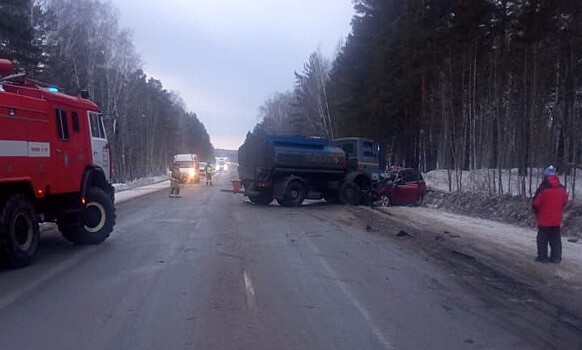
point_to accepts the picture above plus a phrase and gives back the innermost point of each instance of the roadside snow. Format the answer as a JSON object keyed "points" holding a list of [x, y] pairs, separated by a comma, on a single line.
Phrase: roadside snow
{"points": [[128, 194], [139, 183], [491, 240], [482, 180], [140, 187]]}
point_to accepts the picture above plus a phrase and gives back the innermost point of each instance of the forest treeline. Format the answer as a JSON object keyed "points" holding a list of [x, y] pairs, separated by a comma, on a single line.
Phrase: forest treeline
{"points": [[79, 45], [450, 84]]}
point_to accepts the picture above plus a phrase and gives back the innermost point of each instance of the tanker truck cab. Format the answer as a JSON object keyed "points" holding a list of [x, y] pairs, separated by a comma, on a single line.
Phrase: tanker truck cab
{"points": [[362, 154]]}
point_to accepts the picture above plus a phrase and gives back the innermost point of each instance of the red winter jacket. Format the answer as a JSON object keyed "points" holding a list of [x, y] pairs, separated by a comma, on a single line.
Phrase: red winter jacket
{"points": [[549, 201]]}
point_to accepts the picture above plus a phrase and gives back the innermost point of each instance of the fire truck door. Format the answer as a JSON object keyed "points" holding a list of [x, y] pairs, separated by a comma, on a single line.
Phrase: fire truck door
{"points": [[64, 152], [99, 145]]}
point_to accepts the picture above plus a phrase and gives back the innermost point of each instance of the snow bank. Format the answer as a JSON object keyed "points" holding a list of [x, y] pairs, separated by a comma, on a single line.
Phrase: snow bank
{"points": [[479, 197], [508, 209], [128, 194], [486, 181], [498, 240], [119, 187]]}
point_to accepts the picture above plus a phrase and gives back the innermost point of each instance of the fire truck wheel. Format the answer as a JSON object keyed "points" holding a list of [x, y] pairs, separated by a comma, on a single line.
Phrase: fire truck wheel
{"points": [[350, 193], [95, 223], [294, 194], [19, 232]]}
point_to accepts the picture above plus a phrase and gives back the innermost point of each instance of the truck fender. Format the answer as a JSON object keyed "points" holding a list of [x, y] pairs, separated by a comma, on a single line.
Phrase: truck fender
{"points": [[18, 186], [363, 179], [95, 176]]}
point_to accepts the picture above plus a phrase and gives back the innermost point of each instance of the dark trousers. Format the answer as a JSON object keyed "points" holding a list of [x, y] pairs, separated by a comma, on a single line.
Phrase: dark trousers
{"points": [[174, 187], [552, 236]]}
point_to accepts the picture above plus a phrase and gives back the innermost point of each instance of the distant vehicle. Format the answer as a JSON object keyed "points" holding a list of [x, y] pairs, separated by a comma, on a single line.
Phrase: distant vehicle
{"points": [[400, 186], [189, 168], [222, 163], [291, 169], [56, 166]]}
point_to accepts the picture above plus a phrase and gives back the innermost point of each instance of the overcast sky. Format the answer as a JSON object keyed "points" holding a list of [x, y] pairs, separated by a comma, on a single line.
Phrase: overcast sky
{"points": [[225, 57]]}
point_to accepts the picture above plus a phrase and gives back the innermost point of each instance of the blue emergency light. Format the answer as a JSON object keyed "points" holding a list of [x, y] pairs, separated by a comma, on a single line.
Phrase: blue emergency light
{"points": [[53, 89]]}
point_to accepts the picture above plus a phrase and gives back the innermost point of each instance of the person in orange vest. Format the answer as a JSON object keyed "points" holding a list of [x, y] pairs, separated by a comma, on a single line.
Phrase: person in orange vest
{"points": [[548, 205]]}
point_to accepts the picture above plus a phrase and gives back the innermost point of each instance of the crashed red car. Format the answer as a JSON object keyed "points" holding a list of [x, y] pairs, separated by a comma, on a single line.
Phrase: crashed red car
{"points": [[400, 186]]}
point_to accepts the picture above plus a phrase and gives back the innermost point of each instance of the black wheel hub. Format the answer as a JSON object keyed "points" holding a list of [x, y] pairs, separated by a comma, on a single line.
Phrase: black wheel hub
{"points": [[22, 232], [92, 216]]}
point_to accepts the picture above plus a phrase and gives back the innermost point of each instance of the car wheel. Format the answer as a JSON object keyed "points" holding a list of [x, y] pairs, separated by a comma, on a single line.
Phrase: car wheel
{"points": [[384, 201]]}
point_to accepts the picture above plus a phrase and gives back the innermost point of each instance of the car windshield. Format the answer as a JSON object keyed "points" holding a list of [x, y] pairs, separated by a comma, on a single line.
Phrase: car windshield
{"points": [[370, 149], [184, 164], [387, 175]]}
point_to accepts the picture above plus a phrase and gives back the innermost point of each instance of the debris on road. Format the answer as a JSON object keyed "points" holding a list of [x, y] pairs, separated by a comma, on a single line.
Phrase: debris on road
{"points": [[403, 233], [464, 255]]}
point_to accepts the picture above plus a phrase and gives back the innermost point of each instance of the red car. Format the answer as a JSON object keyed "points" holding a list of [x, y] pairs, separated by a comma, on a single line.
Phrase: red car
{"points": [[400, 186]]}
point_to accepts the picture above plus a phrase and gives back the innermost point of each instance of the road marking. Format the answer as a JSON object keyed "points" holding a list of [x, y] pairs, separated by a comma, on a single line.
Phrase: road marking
{"points": [[177, 221], [250, 290], [387, 344]]}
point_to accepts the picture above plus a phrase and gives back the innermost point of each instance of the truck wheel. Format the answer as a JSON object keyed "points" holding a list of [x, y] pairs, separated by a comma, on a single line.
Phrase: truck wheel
{"points": [[294, 194], [19, 232], [261, 200], [94, 223], [350, 193]]}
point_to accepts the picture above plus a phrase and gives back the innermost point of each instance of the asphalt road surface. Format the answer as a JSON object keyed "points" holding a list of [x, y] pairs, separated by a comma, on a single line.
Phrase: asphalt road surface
{"points": [[211, 271]]}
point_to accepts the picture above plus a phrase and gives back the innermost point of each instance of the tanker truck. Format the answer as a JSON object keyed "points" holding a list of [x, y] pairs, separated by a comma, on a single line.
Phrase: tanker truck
{"points": [[290, 169]]}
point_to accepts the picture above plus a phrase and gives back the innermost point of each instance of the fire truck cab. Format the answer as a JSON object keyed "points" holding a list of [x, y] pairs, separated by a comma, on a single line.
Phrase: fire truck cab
{"points": [[55, 165]]}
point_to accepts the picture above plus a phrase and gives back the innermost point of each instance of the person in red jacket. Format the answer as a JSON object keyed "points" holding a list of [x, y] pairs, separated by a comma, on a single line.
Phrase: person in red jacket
{"points": [[548, 204]]}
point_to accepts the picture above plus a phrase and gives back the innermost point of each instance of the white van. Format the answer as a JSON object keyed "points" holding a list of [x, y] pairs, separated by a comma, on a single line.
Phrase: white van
{"points": [[188, 164]]}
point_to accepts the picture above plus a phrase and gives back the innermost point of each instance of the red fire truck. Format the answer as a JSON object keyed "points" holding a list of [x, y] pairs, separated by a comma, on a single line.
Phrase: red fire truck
{"points": [[54, 166]]}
